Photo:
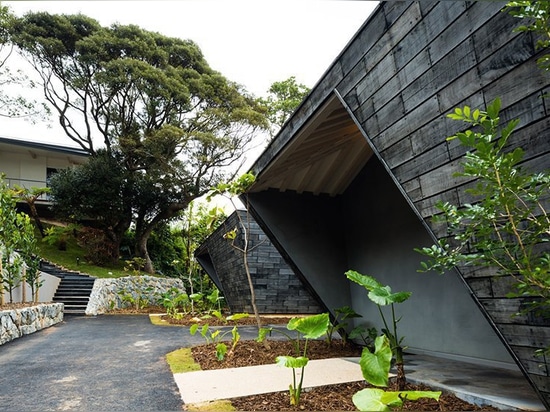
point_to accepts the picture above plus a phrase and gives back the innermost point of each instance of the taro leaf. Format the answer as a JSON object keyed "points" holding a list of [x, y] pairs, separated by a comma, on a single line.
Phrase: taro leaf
{"points": [[376, 366], [238, 316], [193, 328], [312, 327], [292, 362], [397, 398], [370, 399], [368, 282], [196, 297], [262, 334], [221, 350], [383, 296]]}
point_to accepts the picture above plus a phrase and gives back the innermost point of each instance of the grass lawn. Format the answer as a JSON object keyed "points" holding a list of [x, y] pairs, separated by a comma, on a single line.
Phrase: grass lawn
{"points": [[73, 258]]}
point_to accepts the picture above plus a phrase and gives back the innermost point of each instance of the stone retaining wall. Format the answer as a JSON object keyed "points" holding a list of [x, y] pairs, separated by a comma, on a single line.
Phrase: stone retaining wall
{"points": [[108, 294], [15, 323]]}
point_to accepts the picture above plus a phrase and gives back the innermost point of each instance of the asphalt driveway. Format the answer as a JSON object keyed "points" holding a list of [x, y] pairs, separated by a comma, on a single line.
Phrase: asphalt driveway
{"points": [[103, 363]]}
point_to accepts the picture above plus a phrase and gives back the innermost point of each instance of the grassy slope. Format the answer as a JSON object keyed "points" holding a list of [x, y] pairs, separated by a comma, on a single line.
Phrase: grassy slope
{"points": [[73, 258]]}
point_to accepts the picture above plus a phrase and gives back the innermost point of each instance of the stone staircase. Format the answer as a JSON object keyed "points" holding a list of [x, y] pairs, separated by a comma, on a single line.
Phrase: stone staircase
{"points": [[74, 289]]}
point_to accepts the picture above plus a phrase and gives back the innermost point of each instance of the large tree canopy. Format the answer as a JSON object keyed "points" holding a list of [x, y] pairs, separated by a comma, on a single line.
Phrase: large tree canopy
{"points": [[151, 101]]}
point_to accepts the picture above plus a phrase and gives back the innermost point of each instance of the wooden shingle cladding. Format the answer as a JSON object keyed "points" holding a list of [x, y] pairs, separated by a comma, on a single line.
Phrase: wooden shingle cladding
{"points": [[409, 65]]}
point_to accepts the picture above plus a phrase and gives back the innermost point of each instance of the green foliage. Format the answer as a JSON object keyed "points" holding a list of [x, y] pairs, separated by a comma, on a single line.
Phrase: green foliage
{"points": [[16, 235], [536, 16], [173, 126], [507, 225], [375, 399], [308, 327], [216, 335], [383, 296], [340, 323], [283, 99], [375, 367]]}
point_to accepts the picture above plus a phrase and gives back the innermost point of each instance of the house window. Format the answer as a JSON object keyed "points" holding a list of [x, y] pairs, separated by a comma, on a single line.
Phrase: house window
{"points": [[50, 171]]}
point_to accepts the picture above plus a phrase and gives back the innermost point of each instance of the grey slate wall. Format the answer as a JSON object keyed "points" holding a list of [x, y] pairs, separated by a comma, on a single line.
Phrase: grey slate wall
{"points": [[276, 286]]}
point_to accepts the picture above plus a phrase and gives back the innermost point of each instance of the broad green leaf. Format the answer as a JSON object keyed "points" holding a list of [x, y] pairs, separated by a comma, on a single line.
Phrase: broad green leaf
{"points": [[238, 316], [193, 328], [262, 334], [376, 366], [370, 399], [196, 297], [368, 282], [393, 398], [292, 362], [384, 296], [312, 327], [221, 350]]}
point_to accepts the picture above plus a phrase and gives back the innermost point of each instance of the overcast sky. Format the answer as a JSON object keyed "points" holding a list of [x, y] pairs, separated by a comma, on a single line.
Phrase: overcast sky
{"points": [[254, 42]]}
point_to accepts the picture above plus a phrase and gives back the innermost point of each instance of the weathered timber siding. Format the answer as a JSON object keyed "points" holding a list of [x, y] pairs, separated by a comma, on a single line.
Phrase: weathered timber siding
{"points": [[277, 288], [431, 58], [409, 65]]}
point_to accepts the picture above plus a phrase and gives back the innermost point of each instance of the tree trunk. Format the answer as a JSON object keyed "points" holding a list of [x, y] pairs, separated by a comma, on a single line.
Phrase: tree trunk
{"points": [[141, 244], [34, 214]]}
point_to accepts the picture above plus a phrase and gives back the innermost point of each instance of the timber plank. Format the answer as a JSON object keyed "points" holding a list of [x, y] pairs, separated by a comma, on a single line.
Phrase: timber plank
{"points": [[474, 17], [526, 335], [518, 83], [515, 52]]}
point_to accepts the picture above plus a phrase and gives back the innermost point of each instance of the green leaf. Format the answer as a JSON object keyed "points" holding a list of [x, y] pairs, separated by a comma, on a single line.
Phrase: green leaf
{"points": [[292, 362], [383, 296], [493, 109], [193, 328], [376, 366], [221, 350], [238, 316], [312, 327], [368, 282], [370, 399], [262, 334], [373, 399]]}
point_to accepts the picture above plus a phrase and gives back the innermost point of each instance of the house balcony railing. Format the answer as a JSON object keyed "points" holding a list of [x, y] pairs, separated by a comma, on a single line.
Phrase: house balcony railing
{"points": [[28, 184]]}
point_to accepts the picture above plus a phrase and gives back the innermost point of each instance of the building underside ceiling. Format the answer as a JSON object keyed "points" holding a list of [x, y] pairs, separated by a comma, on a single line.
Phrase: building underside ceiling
{"points": [[323, 158]]}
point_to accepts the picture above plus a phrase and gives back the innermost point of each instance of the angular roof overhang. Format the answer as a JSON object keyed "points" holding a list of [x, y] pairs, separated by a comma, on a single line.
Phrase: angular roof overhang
{"points": [[323, 157]]}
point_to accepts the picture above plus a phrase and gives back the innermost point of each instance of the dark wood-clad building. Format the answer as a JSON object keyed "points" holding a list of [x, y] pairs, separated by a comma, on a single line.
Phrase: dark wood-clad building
{"points": [[276, 286], [351, 180]]}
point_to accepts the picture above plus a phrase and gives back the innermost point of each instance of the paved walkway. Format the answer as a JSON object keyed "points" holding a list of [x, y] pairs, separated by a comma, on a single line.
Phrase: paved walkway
{"points": [[115, 363]]}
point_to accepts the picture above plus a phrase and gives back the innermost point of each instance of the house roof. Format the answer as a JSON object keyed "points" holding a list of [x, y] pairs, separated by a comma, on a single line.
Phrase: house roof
{"points": [[41, 148]]}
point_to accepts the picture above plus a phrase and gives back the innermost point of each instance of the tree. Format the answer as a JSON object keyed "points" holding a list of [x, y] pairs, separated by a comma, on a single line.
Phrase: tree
{"points": [[100, 190], [16, 234], [507, 226], [14, 104], [151, 101], [238, 187], [30, 196], [283, 99]]}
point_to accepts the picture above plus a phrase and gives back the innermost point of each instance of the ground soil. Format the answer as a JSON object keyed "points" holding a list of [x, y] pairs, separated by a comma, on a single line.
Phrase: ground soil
{"points": [[326, 398], [250, 353]]}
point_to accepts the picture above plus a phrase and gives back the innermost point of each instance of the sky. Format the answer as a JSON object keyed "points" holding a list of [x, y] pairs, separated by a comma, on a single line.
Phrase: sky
{"points": [[252, 42]]}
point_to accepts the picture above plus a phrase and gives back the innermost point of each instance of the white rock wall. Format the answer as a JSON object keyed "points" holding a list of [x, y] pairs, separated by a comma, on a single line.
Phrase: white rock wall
{"points": [[15, 323], [106, 294]]}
